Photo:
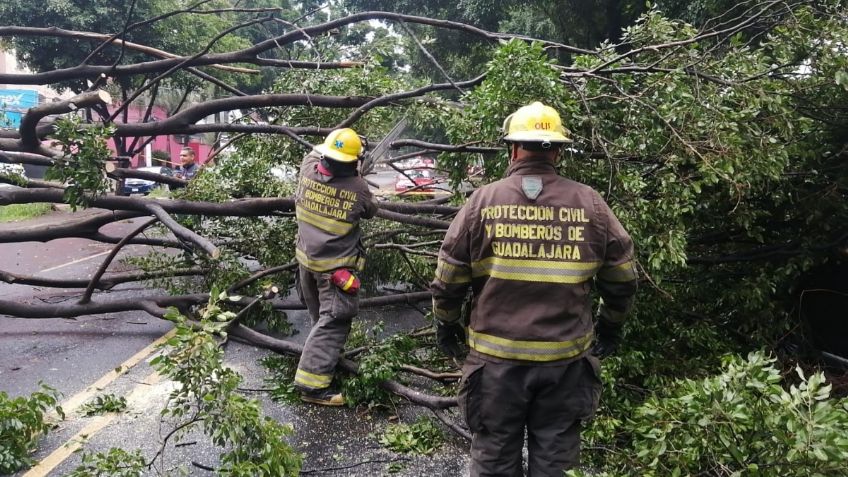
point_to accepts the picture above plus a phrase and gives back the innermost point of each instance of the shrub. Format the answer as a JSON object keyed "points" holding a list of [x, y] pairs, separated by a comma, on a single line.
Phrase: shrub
{"points": [[21, 422]]}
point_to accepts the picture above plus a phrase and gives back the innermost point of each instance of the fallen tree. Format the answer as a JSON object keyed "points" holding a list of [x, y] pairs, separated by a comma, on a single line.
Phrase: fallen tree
{"points": [[715, 147]]}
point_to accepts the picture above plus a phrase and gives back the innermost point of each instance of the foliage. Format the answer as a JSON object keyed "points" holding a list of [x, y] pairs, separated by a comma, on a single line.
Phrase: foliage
{"points": [[206, 397], [582, 23], [421, 437], [114, 463], [387, 265], [104, 403], [281, 378], [16, 212], [255, 445], [518, 74], [371, 80], [83, 161], [179, 34], [22, 422], [743, 421], [380, 363], [13, 174]]}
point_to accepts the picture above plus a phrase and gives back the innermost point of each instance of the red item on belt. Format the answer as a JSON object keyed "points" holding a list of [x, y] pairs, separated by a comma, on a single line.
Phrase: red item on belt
{"points": [[346, 281]]}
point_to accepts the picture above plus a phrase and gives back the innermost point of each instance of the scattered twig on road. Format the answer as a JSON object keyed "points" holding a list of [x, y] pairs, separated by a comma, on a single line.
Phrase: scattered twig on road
{"points": [[357, 464], [431, 374], [204, 467], [255, 390]]}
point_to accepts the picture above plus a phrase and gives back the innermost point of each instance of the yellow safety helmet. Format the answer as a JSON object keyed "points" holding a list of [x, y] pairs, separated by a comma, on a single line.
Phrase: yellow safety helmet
{"points": [[535, 123], [342, 145]]}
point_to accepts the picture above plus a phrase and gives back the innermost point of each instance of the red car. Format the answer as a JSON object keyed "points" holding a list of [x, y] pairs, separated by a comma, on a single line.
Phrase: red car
{"points": [[420, 179]]}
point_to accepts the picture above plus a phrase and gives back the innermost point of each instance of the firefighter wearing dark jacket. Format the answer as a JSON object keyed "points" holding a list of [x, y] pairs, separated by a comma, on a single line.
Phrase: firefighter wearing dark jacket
{"points": [[331, 198], [530, 246]]}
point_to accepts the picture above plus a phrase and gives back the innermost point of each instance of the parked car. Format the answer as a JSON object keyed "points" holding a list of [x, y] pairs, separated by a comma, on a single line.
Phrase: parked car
{"points": [[13, 172], [143, 186], [420, 178]]}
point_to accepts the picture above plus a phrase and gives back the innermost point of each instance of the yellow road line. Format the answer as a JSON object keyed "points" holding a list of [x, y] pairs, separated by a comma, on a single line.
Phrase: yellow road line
{"points": [[75, 261], [96, 425], [77, 400]]}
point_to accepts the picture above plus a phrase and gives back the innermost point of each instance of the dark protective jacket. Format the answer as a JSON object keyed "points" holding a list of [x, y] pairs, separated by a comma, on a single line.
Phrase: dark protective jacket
{"points": [[530, 246], [328, 211]]}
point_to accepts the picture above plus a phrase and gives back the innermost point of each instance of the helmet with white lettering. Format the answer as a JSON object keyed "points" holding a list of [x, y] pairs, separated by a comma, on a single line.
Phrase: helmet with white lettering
{"points": [[342, 145], [535, 123]]}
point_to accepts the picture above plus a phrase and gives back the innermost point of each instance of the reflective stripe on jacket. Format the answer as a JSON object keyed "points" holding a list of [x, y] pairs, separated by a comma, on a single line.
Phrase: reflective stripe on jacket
{"points": [[531, 262], [328, 210]]}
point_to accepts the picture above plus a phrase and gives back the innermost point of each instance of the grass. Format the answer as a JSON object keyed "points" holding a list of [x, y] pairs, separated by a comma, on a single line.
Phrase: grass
{"points": [[16, 212]]}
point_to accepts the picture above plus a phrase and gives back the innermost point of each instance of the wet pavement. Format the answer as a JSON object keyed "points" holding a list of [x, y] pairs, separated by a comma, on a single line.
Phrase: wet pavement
{"points": [[72, 355]]}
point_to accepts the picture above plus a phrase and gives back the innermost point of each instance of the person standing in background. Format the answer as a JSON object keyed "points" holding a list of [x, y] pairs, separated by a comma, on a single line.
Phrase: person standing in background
{"points": [[188, 165]]}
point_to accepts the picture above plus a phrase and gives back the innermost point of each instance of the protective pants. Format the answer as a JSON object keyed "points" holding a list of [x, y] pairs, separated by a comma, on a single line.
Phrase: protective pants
{"points": [[500, 399], [332, 312]]}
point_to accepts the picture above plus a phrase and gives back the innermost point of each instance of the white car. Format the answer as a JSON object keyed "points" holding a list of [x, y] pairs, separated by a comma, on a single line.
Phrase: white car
{"points": [[12, 171]]}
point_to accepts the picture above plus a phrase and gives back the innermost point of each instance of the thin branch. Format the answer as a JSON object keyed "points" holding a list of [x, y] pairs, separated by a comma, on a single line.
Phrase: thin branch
{"points": [[109, 40], [183, 232], [184, 63], [431, 374], [391, 98], [211, 157], [86, 297], [469, 147], [350, 466], [429, 56], [261, 274]]}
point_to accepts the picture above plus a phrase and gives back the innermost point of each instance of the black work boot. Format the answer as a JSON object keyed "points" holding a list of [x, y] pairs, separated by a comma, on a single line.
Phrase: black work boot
{"points": [[324, 397]]}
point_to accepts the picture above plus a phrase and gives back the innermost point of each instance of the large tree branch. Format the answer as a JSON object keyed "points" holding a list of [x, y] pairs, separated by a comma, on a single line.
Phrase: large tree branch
{"points": [[16, 31], [105, 282], [139, 205], [29, 136], [311, 31], [412, 220], [189, 116], [136, 303], [63, 310], [123, 173], [250, 54], [238, 207], [390, 98], [131, 130], [445, 147], [183, 232], [74, 227]]}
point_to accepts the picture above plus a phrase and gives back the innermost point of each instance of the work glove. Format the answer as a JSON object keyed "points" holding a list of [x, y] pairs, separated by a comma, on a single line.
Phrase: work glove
{"points": [[607, 339], [450, 338]]}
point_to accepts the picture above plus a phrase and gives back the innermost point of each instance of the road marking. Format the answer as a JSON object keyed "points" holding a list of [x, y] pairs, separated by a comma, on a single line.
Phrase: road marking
{"points": [[96, 425], [75, 261], [78, 399]]}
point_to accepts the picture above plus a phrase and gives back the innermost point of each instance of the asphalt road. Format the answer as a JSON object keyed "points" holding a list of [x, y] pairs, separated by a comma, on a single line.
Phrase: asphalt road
{"points": [[79, 357]]}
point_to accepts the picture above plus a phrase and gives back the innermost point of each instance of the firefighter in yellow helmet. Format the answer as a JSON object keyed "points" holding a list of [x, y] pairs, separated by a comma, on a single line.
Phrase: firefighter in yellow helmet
{"points": [[331, 199], [530, 247]]}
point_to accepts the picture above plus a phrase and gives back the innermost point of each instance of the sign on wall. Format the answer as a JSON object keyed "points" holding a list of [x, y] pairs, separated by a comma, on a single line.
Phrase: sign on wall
{"points": [[13, 104]]}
